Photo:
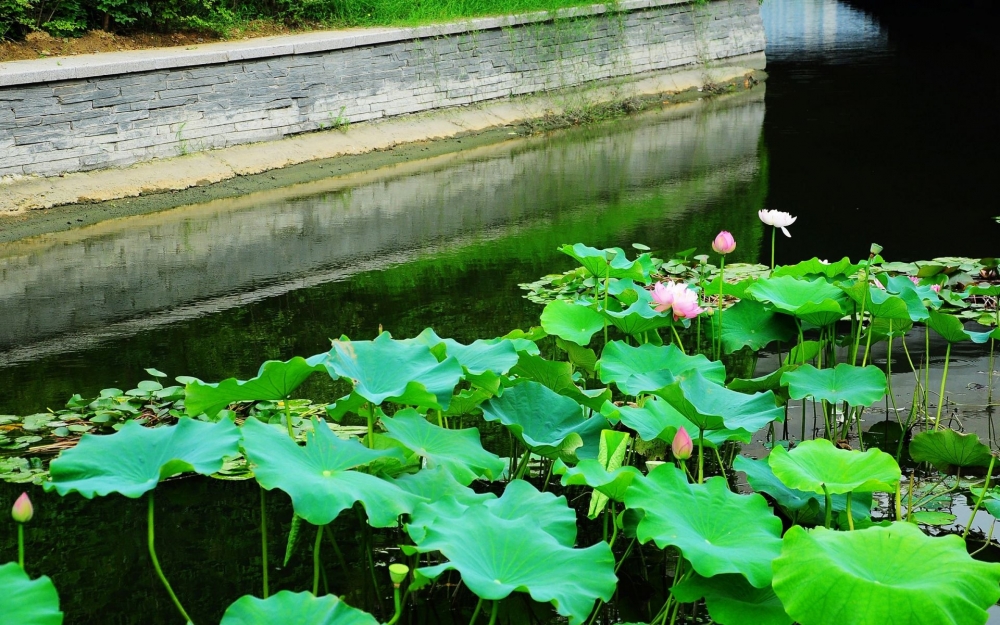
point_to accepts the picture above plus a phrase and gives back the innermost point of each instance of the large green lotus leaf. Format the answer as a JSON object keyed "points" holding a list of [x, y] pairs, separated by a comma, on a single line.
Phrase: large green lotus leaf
{"points": [[914, 299], [549, 424], [133, 460], [658, 419], [400, 371], [815, 267], [750, 324], [318, 477], [301, 608], [769, 382], [554, 374], [952, 329], [877, 302], [818, 462], [574, 322], [858, 386], [717, 530], [436, 484], [949, 450], [880, 575], [497, 556], [814, 301], [27, 601], [610, 262], [612, 484], [731, 600], [274, 380], [639, 318], [459, 451], [712, 406], [647, 368], [801, 506], [478, 357]]}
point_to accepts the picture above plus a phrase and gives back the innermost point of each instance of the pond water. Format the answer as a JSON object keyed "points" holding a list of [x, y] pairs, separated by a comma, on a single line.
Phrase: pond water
{"points": [[868, 128]]}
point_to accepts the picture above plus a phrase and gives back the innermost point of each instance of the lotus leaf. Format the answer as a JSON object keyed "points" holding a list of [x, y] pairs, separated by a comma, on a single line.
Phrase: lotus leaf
{"points": [[581, 357], [436, 484], [949, 450], [134, 460], [639, 318], [814, 267], [612, 484], [458, 451], [818, 463], [858, 386], [913, 296], [274, 380], [648, 368], [731, 600], [713, 407], [317, 476], [610, 262], [554, 374], [294, 607], [952, 328], [28, 601], [715, 529], [932, 517], [574, 322], [814, 301], [497, 556], [478, 357], [402, 372], [658, 419], [880, 575], [549, 424], [750, 324]]}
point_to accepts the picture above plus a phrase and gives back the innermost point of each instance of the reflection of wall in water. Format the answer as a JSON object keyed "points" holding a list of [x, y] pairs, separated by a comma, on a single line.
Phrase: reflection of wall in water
{"points": [[137, 266]]}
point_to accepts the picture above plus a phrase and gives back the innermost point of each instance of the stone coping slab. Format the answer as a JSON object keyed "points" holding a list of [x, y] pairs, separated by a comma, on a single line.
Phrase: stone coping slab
{"points": [[33, 71]]}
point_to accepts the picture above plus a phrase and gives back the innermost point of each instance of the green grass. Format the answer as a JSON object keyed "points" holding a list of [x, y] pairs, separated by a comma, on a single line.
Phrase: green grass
{"points": [[411, 12]]}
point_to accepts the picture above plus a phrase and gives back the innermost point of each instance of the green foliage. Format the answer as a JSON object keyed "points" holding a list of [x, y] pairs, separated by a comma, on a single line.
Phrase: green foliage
{"points": [[28, 601], [294, 607]]}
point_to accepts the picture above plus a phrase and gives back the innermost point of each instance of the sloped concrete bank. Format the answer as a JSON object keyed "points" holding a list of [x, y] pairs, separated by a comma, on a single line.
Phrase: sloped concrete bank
{"points": [[59, 117]]}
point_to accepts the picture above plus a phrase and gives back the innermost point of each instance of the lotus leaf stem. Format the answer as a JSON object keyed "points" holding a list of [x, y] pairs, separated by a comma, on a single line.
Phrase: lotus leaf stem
{"points": [[398, 606], [861, 317], [371, 426], [263, 541], [828, 500], [150, 542], [701, 455], [944, 378], [523, 465], [909, 499], [494, 612], [989, 538], [850, 516], [316, 546], [774, 234], [677, 337], [979, 500], [722, 269], [336, 549], [607, 287], [20, 545], [927, 373], [475, 613], [722, 467], [288, 419], [899, 505]]}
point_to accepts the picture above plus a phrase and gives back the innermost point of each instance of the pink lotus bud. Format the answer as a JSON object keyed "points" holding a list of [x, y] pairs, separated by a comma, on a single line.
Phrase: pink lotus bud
{"points": [[936, 288], [682, 445], [914, 279], [724, 243], [22, 510]]}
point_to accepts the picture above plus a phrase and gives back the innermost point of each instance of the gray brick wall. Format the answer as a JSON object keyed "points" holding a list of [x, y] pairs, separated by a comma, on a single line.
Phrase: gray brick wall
{"points": [[110, 121]]}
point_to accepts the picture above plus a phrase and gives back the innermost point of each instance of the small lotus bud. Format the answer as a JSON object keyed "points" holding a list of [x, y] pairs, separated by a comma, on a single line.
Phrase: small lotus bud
{"points": [[398, 572], [724, 243], [876, 249], [682, 445], [22, 510]]}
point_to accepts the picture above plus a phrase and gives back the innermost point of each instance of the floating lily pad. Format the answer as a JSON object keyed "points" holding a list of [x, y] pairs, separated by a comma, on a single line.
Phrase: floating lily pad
{"points": [[817, 463], [571, 321], [880, 575], [858, 386], [497, 555], [274, 380], [750, 324], [294, 607], [815, 301], [28, 601], [949, 450], [460, 452], [717, 530], [647, 368], [731, 600], [135, 459], [549, 424], [398, 371], [318, 477], [712, 406]]}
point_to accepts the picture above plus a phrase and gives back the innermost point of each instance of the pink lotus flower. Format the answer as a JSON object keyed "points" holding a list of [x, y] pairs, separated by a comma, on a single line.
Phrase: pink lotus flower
{"points": [[663, 295], [682, 445], [936, 288], [914, 279], [677, 297], [724, 243], [22, 510]]}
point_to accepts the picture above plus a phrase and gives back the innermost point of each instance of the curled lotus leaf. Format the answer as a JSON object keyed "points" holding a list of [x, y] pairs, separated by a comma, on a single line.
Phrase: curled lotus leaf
{"points": [[404, 372], [318, 477], [612, 484], [717, 530], [858, 386], [495, 355], [731, 600], [28, 601], [460, 452], [294, 607], [610, 263], [814, 301], [133, 460], [658, 419], [647, 368], [274, 380], [711, 406], [499, 549], [574, 322], [949, 450], [749, 324], [952, 329], [897, 573], [818, 463]]}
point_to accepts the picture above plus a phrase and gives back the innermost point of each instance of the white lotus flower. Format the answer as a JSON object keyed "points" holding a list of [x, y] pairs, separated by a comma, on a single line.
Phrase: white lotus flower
{"points": [[778, 219]]}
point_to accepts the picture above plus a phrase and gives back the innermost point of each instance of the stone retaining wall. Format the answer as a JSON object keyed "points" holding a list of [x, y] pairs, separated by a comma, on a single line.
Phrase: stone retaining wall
{"points": [[100, 111]]}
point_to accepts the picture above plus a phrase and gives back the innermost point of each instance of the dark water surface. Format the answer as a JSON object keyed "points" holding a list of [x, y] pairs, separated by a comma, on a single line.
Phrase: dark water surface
{"points": [[869, 129]]}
